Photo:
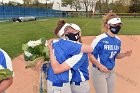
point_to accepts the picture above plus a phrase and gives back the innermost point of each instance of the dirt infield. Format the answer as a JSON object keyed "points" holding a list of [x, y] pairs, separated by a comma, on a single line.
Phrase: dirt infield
{"points": [[127, 70]]}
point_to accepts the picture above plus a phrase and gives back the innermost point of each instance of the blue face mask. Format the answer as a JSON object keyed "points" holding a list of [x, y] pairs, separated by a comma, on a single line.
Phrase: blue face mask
{"points": [[115, 30]]}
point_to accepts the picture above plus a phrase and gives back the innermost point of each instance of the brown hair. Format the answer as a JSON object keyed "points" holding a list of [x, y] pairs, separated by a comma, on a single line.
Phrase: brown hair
{"points": [[60, 24], [80, 40], [106, 18]]}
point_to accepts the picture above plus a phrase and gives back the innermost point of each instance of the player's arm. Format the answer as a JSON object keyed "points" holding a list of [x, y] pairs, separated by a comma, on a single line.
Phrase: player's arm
{"points": [[57, 68], [94, 61], [86, 49], [97, 46], [74, 47], [5, 84], [122, 55], [68, 64]]}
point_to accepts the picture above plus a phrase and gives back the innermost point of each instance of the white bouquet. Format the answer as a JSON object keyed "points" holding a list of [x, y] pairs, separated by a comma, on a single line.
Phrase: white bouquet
{"points": [[35, 50]]}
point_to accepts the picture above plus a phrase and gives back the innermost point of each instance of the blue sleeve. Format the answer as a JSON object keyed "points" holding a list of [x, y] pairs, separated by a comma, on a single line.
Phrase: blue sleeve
{"points": [[97, 49], [80, 62], [72, 48], [119, 48], [2, 60]]}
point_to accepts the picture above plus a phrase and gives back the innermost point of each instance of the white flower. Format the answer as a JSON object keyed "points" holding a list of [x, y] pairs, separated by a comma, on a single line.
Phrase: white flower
{"points": [[1, 67], [34, 43], [31, 43], [38, 42], [27, 53], [46, 43]]}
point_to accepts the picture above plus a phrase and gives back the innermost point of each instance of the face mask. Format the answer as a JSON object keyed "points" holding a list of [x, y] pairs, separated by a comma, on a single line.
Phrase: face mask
{"points": [[115, 30], [73, 37]]}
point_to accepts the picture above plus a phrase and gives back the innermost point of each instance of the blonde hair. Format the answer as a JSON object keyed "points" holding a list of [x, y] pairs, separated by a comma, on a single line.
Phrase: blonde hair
{"points": [[106, 18]]}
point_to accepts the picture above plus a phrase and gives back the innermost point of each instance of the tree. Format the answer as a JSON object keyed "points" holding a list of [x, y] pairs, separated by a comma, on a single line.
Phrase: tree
{"points": [[27, 2], [134, 6], [102, 6], [88, 4], [76, 5], [123, 6], [98, 7], [73, 4], [118, 6], [107, 6], [12, 3]]}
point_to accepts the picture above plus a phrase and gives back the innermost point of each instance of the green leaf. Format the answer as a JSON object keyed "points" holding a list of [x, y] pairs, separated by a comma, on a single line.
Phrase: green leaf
{"points": [[43, 40], [5, 73], [24, 47], [26, 58], [47, 56], [33, 57]]}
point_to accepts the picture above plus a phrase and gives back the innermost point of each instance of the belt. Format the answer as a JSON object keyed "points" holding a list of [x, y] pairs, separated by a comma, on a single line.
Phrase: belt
{"points": [[107, 68], [96, 68], [58, 84], [76, 83]]}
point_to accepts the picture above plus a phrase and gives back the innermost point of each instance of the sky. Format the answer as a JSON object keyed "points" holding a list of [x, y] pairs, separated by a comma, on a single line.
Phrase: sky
{"points": [[21, 1]]}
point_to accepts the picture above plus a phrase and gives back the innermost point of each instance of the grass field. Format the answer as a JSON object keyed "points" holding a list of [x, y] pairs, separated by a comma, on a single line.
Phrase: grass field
{"points": [[13, 35]]}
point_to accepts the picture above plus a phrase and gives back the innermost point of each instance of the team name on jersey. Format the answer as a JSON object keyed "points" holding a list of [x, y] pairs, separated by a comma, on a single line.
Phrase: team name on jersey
{"points": [[111, 47]]}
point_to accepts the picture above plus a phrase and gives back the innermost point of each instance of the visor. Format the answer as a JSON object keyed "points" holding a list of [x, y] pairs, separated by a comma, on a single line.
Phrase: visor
{"points": [[114, 21], [62, 30]]}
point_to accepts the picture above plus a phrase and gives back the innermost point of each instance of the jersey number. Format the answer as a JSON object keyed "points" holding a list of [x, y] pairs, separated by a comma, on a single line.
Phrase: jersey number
{"points": [[113, 54]]}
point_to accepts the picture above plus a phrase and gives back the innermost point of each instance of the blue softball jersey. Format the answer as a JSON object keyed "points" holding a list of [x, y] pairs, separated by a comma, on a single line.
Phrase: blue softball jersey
{"points": [[63, 49], [80, 71], [5, 60], [79, 67], [106, 49]]}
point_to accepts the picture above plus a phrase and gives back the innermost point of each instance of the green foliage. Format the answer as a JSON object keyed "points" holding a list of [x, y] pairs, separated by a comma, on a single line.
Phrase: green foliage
{"points": [[5, 73], [73, 4], [134, 6], [29, 3], [66, 2], [119, 6]]}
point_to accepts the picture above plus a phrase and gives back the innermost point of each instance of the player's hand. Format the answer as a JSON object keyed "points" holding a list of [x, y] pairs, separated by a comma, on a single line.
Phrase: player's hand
{"points": [[50, 47], [102, 68], [128, 53]]}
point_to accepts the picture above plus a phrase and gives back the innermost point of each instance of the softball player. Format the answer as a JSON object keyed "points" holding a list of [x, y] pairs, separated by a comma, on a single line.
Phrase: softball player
{"points": [[107, 48], [80, 76], [79, 68], [5, 63], [64, 49]]}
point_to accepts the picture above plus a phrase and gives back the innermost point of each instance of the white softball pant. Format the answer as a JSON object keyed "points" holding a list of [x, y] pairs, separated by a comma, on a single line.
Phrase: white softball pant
{"points": [[103, 82], [82, 87], [58, 88]]}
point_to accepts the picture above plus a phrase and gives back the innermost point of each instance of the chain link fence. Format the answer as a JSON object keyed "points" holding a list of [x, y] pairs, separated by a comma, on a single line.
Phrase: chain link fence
{"points": [[9, 12]]}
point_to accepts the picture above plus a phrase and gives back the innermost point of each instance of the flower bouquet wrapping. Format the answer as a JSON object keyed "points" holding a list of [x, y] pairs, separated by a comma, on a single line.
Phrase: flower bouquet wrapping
{"points": [[5, 73]]}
